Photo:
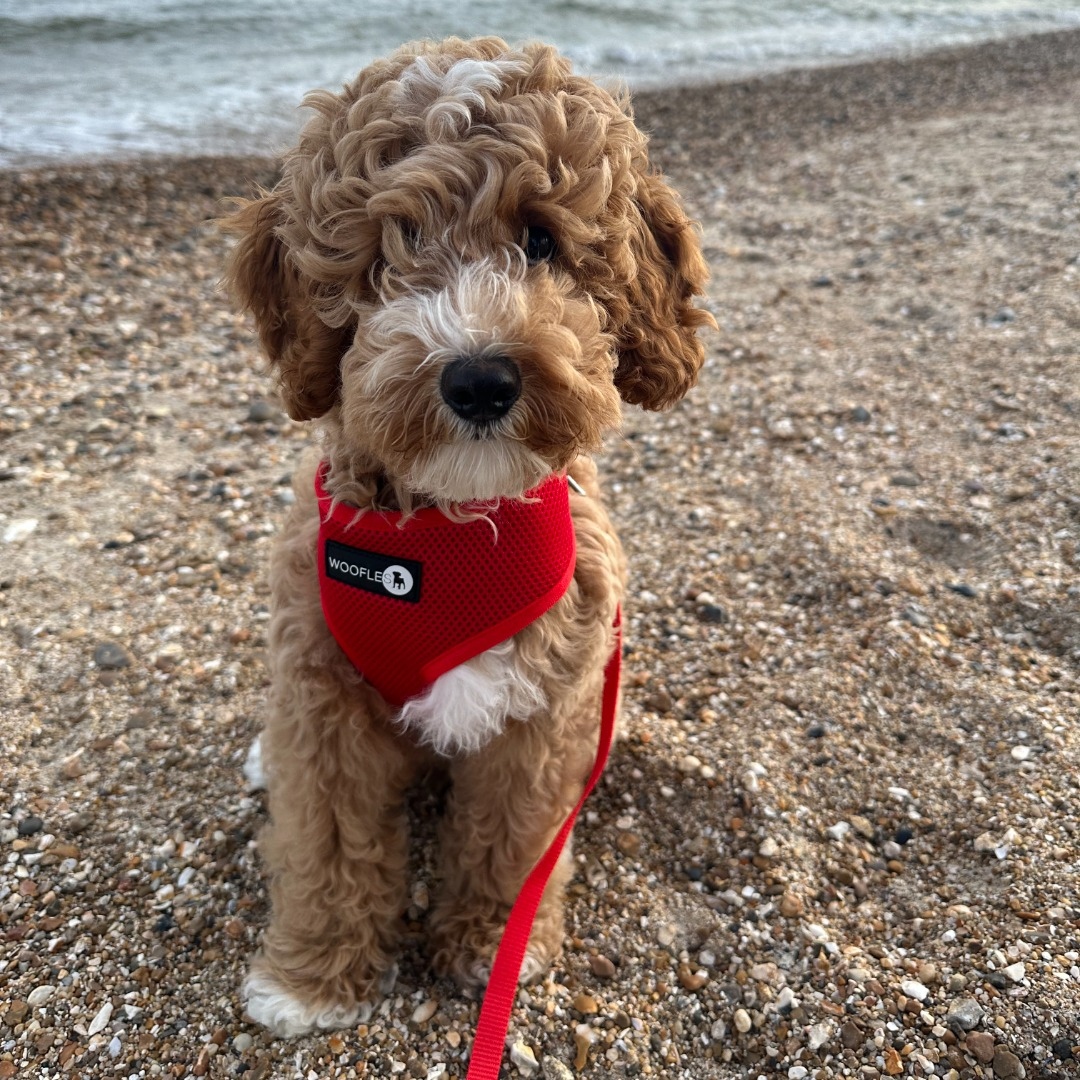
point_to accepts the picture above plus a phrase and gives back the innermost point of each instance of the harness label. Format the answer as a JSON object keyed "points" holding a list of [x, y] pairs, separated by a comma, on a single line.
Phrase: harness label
{"points": [[384, 575]]}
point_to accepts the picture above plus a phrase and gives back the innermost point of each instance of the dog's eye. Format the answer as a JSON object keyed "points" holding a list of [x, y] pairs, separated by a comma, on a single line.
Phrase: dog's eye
{"points": [[539, 245]]}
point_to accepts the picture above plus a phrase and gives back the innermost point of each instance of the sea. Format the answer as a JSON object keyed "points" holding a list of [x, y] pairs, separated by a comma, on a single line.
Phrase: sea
{"points": [[93, 79]]}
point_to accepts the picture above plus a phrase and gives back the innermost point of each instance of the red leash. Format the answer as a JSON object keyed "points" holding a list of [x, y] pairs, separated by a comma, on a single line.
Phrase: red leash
{"points": [[494, 1020]]}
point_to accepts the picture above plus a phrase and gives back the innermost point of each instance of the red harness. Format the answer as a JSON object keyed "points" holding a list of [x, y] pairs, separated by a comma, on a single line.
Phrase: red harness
{"points": [[408, 601]]}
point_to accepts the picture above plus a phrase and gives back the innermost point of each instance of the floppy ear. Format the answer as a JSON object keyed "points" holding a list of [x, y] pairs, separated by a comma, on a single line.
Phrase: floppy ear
{"points": [[659, 353], [259, 274]]}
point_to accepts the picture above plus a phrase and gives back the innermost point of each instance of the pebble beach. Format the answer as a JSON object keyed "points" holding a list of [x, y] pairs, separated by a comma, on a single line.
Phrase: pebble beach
{"points": [[841, 834]]}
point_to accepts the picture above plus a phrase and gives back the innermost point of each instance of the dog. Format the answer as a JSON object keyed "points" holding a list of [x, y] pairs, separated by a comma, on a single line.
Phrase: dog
{"points": [[466, 263]]}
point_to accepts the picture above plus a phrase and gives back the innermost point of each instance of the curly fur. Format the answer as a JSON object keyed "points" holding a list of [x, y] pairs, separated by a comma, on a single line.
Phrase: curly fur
{"points": [[392, 245]]}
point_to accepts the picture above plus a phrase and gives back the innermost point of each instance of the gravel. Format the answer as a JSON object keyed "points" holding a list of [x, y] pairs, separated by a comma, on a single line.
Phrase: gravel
{"points": [[816, 852]]}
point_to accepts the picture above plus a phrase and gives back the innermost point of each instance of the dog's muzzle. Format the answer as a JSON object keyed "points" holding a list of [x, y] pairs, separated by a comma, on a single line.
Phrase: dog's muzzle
{"points": [[480, 389]]}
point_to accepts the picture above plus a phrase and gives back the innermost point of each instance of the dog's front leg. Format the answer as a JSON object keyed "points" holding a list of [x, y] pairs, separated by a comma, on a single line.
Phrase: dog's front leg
{"points": [[336, 850], [506, 804]]}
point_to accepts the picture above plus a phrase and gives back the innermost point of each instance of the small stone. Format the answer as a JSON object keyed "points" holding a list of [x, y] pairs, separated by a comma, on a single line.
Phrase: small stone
{"points": [[1007, 1065], [905, 480], [790, 905], [522, 1056], [104, 1014], [769, 848], [243, 1042], [40, 995], [602, 967], [862, 826], [851, 1035], [1015, 971], [912, 989], [425, 1011], [894, 1064], [798, 1072], [860, 415], [741, 1020], [586, 1004], [110, 656], [659, 700], [980, 1045], [818, 1036], [712, 613], [19, 530], [453, 1037], [582, 1042], [689, 764], [554, 1069], [1020, 753], [961, 589], [261, 412], [690, 979], [838, 831], [30, 825]]}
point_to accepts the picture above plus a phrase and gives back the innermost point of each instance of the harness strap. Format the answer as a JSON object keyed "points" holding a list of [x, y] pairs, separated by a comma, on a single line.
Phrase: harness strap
{"points": [[487, 1050]]}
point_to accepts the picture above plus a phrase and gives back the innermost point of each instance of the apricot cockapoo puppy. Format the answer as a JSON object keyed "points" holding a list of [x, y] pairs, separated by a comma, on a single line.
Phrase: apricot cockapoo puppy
{"points": [[466, 264]]}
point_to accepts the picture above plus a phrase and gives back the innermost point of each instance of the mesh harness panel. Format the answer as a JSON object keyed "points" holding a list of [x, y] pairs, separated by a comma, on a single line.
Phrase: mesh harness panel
{"points": [[409, 601]]}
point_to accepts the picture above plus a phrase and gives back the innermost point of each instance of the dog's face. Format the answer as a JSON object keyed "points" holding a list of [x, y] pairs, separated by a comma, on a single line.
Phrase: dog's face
{"points": [[464, 265]]}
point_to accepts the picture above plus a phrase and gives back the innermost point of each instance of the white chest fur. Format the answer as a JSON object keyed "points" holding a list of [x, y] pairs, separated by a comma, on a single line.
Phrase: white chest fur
{"points": [[469, 705]]}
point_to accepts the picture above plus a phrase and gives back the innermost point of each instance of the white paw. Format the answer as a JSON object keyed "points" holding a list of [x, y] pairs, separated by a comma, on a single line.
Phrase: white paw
{"points": [[254, 773], [269, 1003]]}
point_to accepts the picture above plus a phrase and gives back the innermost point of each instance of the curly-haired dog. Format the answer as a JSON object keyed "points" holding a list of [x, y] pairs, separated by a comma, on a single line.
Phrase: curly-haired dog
{"points": [[465, 265]]}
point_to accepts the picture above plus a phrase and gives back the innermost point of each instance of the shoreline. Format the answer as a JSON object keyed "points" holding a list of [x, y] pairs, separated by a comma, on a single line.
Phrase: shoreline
{"points": [[785, 104]]}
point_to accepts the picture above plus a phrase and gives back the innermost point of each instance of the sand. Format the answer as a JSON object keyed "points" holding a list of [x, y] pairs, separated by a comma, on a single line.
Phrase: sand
{"points": [[841, 835]]}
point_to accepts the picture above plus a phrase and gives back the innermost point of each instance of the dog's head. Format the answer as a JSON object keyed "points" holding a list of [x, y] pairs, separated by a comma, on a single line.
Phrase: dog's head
{"points": [[465, 264]]}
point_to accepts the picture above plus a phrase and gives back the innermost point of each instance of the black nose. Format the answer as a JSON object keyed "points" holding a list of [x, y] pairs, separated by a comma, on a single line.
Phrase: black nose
{"points": [[480, 389]]}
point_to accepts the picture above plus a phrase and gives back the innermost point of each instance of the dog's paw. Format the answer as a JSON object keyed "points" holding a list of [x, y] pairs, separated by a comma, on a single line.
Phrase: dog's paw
{"points": [[270, 1002], [533, 966], [254, 773]]}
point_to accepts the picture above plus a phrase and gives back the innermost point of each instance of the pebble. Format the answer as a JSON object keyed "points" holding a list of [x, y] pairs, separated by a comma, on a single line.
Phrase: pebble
{"points": [[582, 1044], [586, 1004], [98, 1024], [243, 1042], [1016, 971], [554, 1069], [40, 995], [602, 967], [1007, 1066], [769, 848], [425, 1011], [851, 1035], [741, 1020], [522, 1056], [111, 656], [963, 1015], [913, 989], [30, 825], [981, 1046], [19, 530], [261, 412]]}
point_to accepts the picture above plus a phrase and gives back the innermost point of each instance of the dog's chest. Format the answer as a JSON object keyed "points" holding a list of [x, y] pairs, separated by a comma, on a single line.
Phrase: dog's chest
{"points": [[412, 602]]}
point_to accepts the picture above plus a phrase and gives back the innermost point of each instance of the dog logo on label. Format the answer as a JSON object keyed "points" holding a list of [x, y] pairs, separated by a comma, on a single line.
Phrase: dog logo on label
{"points": [[397, 581]]}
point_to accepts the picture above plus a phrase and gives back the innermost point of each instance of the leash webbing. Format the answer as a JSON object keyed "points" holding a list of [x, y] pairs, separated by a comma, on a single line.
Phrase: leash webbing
{"points": [[502, 988]]}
